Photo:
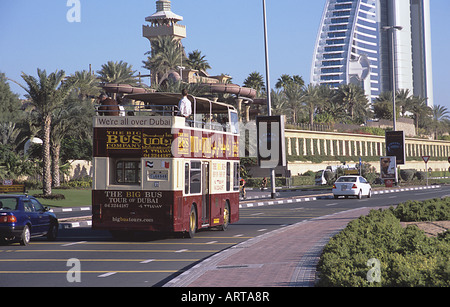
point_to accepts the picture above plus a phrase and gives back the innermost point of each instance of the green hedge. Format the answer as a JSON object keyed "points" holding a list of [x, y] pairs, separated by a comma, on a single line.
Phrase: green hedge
{"points": [[429, 210], [407, 257]]}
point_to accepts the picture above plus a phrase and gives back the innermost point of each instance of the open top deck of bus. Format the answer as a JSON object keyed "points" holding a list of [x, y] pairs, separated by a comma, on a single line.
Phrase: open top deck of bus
{"points": [[206, 113], [199, 104]]}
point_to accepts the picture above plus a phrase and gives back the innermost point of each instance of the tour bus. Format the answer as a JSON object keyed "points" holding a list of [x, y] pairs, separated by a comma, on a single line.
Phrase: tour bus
{"points": [[156, 171]]}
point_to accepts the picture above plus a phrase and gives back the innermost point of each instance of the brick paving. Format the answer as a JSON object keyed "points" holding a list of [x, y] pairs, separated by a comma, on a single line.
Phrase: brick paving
{"points": [[286, 257]]}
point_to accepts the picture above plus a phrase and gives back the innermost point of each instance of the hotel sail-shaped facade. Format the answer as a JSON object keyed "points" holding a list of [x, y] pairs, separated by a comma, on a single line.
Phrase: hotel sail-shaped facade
{"points": [[352, 46], [348, 44]]}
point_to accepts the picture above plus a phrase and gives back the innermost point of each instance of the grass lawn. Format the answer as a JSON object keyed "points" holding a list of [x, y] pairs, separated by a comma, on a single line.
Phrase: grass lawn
{"points": [[74, 198]]}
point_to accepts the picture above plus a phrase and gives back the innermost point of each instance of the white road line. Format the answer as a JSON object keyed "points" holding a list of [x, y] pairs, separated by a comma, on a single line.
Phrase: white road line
{"points": [[333, 204], [147, 261], [74, 243], [107, 274]]}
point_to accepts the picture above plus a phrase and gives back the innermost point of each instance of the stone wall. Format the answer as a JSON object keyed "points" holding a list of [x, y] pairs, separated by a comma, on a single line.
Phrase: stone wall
{"points": [[313, 150]]}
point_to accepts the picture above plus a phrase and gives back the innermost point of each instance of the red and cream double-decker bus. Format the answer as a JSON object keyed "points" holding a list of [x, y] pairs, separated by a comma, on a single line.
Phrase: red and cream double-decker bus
{"points": [[155, 171]]}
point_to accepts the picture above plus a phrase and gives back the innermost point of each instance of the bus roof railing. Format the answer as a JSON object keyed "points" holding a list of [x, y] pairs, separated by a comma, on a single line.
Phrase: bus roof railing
{"points": [[200, 104]]}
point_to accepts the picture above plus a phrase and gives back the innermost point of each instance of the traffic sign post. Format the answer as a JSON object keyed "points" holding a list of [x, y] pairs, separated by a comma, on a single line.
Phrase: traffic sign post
{"points": [[425, 159]]}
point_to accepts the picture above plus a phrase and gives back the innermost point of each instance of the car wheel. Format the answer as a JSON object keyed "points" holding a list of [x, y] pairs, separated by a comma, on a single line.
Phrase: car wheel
{"points": [[360, 194], [52, 232], [370, 194], [26, 236]]}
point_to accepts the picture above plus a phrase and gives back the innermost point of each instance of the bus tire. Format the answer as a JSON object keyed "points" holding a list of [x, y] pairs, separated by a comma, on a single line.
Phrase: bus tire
{"points": [[226, 217], [192, 222]]}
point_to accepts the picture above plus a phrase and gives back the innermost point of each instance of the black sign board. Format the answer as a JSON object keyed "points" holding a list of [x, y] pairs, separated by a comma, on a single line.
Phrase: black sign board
{"points": [[395, 145], [271, 143]]}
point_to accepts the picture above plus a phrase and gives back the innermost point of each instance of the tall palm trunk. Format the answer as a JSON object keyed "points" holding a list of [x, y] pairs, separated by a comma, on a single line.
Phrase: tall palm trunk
{"points": [[56, 181], [46, 158]]}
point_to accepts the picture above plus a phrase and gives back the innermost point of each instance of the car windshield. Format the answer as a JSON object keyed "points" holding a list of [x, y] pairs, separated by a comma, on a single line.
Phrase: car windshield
{"points": [[347, 179], [8, 203]]}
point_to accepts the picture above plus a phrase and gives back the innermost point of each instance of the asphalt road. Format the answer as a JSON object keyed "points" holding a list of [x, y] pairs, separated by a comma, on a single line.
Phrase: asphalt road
{"points": [[149, 261]]}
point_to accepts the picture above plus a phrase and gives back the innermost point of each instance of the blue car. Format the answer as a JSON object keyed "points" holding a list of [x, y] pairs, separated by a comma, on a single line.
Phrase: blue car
{"points": [[23, 217]]}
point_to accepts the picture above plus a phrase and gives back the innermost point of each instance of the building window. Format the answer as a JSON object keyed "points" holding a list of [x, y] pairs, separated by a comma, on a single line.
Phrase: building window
{"points": [[128, 172]]}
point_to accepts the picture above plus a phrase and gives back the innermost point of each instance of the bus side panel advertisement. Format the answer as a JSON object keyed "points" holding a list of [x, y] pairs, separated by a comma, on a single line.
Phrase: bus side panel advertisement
{"points": [[164, 143], [127, 209]]}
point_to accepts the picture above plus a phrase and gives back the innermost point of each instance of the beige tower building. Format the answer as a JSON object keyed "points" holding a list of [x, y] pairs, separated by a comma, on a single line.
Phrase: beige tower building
{"points": [[164, 23]]}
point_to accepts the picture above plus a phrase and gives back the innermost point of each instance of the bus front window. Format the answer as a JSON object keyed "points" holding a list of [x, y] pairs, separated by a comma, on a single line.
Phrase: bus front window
{"points": [[234, 121]]}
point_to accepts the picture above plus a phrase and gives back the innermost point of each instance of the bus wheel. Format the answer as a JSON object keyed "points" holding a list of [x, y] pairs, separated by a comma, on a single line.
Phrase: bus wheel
{"points": [[226, 217], [192, 222]]}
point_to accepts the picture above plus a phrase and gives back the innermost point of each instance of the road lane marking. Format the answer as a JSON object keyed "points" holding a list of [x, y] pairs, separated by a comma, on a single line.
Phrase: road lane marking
{"points": [[74, 243], [107, 274], [138, 243], [100, 260], [86, 272], [181, 250], [117, 250]]}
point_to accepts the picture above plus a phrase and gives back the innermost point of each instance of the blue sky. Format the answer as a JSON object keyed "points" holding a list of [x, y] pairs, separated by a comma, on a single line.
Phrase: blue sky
{"points": [[36, 34]]}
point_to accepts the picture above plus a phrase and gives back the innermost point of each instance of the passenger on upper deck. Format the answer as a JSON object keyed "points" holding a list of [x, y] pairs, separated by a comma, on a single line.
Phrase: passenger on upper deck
{"points": [[184, 106]]}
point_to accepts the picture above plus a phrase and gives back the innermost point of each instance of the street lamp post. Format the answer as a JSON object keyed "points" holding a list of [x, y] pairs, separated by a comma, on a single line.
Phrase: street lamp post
{"points": [[269, 101], [394, 111]]}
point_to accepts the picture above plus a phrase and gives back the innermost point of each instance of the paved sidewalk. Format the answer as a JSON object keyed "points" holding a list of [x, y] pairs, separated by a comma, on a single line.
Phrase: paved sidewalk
{"points": [[286, 257]]}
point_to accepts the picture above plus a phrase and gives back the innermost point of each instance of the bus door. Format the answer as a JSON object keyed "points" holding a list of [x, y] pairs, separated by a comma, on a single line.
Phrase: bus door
{"points": [[206, 208]]}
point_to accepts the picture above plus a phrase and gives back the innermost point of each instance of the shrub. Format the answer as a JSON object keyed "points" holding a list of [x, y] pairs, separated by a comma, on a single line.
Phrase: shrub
{"points": [[407, 174], [420, 175], [407, 256], [51, 197], [429, 210]]}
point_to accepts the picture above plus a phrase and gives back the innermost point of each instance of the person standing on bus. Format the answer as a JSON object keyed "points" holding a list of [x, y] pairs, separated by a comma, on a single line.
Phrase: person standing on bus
{"points": [[184, 106]]}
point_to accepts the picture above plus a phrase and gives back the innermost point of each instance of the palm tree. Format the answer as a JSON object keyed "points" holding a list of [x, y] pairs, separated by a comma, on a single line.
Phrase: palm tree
{"points": [[87, 84], [117, 72], [354, 99], [47, 94], [310, 100], [167, 55], [382, 107], [403, 100], [197, 61], [256, 81], [329, 111], [286, 79], [440, 115], [420, 110], [279, 103], [294, 95]]}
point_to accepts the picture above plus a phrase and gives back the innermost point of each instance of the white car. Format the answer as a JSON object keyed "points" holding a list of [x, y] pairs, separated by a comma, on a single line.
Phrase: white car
{"points": [[352, 186]]}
